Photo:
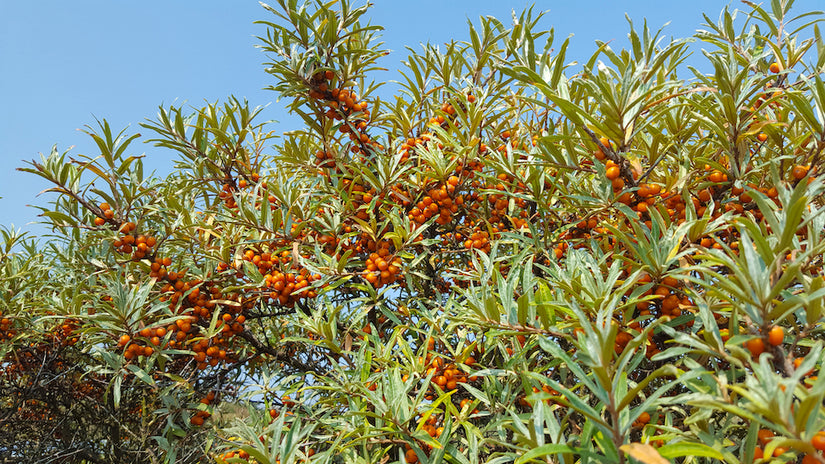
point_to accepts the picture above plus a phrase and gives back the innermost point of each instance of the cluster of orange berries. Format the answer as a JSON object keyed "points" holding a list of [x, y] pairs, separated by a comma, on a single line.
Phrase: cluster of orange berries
{"points": [[266, 261], [287, 288], [177, 285], [341, 104], [226, 193], [273, 414], [209, 352], [647, 195], [361, 199], [6, 331], [524, 402], [432, 425], [242, 454], [448, 376], [408, 147], [328, 242], [445, 375], [765, 436], [150, 339], [642, 420], [64, 332], [226, 196], [254, 177], [140, 246], [201, 304], [439, 200], [381, 267], [499, 203], [107, 212], [200, 415], [134, 350], [236, 454], [478, 240], [159, 267], [669, 301], [284, 287], [613, 171], [584, 230], [469, 168], [324, 159], [34, 411], [448, 111], [774, 337]]}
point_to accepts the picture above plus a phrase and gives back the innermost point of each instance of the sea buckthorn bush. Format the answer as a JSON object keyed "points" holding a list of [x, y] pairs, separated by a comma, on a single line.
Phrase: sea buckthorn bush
{"points": [[515, 258]]}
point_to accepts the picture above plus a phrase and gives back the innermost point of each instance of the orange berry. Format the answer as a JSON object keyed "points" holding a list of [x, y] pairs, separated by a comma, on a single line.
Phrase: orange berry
{"points": [[818, 441], [799, 171], [809, 459], [756, 346], [775, 67], [612, 172], [764, 436], [776, 335]]}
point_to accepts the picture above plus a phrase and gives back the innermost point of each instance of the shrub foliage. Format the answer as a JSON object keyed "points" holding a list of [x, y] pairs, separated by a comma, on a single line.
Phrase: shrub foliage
{"points": [[516, 258]]}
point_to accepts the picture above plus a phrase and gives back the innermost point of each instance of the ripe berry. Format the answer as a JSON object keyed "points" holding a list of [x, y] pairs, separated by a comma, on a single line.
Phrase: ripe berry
{"points": [[776, 335], [756, 346], [818, 441], [764, 436], [799, 171]]}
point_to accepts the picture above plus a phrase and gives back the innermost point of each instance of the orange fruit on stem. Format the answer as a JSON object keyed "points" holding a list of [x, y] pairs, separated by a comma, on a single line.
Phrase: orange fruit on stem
{"points": [[764, 436], [756, 346], [799, 171], [818, 441], [776, 335]]}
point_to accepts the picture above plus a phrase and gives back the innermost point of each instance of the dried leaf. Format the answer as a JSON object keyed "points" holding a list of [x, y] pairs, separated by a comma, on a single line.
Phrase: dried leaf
{"points": [[644, 453]]}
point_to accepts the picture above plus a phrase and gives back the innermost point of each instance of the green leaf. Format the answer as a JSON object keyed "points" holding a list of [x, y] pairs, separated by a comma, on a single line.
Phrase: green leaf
{"points": [[680, 449]]}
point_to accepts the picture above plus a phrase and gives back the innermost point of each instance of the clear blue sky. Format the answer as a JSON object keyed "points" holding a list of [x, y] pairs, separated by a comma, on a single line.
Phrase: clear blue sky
{"points": [[66, 63]]}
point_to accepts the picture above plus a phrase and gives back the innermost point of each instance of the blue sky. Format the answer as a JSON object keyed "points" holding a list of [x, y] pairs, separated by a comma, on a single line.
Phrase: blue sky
{"points": [[66, 63]]}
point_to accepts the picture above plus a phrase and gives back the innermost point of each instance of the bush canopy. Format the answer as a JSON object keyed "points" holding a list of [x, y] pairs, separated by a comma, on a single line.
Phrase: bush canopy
{"points": [[516, 258]]}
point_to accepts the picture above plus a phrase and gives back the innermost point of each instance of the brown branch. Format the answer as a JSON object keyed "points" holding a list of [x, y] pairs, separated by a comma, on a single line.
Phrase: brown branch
{"points": [[278, 354]]}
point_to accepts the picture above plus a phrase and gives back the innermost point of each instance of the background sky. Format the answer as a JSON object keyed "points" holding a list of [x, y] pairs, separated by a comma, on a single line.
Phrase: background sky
{"points": [[64, 64]]}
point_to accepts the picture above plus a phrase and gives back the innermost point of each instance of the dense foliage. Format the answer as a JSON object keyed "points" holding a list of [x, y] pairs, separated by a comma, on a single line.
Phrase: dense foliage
{"points": [[517, 258]]}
